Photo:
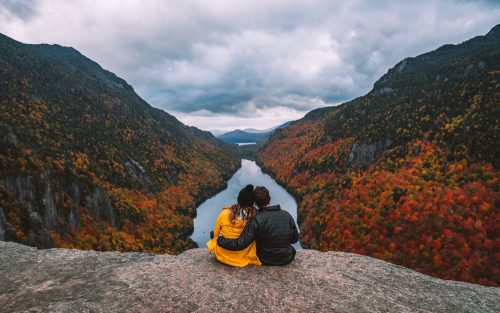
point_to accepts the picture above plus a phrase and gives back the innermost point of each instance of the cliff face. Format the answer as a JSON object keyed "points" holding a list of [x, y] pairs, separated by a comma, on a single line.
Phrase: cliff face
{"points": [[86, 163], [59, 280], [408, 173]]}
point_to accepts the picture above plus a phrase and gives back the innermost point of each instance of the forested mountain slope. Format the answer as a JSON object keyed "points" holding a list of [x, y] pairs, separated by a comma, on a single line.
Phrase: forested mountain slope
{"points": [[408, 173], [86, 163]]}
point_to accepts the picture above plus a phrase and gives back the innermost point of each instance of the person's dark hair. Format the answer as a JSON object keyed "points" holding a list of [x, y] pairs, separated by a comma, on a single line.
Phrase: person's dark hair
{"points": [[246, 196], [262, 197], [244, 209]]}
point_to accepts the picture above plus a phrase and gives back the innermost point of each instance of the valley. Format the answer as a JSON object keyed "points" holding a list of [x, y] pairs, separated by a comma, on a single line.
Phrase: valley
{"points": [[408, 173]]}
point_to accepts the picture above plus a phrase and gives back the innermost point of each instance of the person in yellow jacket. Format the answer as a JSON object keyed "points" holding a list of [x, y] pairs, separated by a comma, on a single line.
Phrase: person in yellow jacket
{"points": [[230, 223]]}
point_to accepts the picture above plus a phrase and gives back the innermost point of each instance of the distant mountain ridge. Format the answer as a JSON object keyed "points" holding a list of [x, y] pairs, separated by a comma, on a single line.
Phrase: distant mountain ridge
{"points": [[409, 172], [251, 135], [86, 163], [253, 130], [241, 136]]}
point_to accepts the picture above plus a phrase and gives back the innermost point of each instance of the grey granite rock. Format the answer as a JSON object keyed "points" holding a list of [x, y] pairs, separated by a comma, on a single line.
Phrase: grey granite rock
{"points": [[38, 235], [138, 171], [386, 90], [99, 205], [74, 200], [23, 189], [401, 65], [11, 137], [366, 153], [3, 224], [50, 209], [59, 280]]}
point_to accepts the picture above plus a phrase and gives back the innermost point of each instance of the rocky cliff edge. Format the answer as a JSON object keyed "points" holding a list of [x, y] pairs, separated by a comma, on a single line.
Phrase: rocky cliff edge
{"points": [[60, 280]]}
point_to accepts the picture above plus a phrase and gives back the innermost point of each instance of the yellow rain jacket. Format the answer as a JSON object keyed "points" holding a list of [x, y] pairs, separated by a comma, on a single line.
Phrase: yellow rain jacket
{"points": [[231, 230]]}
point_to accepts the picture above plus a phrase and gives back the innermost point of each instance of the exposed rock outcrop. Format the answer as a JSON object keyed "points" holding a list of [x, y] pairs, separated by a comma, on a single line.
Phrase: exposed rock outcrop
{"points": [[401, 65], [59, 280], [2, 224], [38, 235], [11, 137], [50, 209], [74, 199], [385, 90], [366, 153], [138, 171], [23, 189], [99, 205]]}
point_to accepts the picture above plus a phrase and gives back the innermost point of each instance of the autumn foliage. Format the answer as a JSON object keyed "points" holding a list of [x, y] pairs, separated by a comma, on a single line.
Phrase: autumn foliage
{"points": [[122, 175], [430, 200]]}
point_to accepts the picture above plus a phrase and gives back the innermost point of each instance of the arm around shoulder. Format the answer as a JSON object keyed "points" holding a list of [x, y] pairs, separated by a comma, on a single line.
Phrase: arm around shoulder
{"points": [[246, 238]]}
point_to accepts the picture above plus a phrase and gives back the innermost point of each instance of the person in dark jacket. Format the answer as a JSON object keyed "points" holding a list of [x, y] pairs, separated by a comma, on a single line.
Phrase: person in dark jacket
{"points": [[273, 229]]}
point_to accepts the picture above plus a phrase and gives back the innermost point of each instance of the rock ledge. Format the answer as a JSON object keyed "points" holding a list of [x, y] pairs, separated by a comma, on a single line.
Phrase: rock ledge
{"points": [[60, 280]]}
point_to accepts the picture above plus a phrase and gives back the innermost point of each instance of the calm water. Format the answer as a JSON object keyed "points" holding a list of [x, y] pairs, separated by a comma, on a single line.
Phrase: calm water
{"points": [[246, 143], [249, 173]]}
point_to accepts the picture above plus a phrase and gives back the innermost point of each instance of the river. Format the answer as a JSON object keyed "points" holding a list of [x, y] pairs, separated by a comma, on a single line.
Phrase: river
{"points": [[249, 173]]}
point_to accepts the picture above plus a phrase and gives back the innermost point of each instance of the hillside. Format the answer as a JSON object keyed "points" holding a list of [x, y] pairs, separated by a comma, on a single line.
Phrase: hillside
{"points": [[45, 280], [86, 163], [408, 173]]}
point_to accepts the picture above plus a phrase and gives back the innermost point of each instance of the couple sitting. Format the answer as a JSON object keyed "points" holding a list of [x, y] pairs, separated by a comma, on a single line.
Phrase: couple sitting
{"points": [[244, 235]]}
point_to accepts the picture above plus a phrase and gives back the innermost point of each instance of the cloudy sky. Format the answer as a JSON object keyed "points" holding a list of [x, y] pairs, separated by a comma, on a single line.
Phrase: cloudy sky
{"points": [[238, 64]]}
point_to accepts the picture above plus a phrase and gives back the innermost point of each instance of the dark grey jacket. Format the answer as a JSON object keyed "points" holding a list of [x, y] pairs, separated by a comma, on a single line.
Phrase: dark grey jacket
{"points": [[274, 231]]}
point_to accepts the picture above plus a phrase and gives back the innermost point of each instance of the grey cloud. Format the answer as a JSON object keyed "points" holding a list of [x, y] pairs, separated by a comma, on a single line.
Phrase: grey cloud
{"points": [[240, 57], [23, 9], [189, 99]]}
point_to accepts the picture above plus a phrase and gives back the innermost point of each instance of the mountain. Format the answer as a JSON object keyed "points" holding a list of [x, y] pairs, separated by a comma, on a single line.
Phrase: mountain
{"points": [[86, 163], [253, 130], [256, 131], [217, 132], [408, 173], [241, 136], [47, 281], [250, 135]]}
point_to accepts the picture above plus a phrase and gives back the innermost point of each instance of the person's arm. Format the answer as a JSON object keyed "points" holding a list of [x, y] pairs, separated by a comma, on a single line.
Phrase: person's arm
{"points": [[246, 238], [295, 235]]}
